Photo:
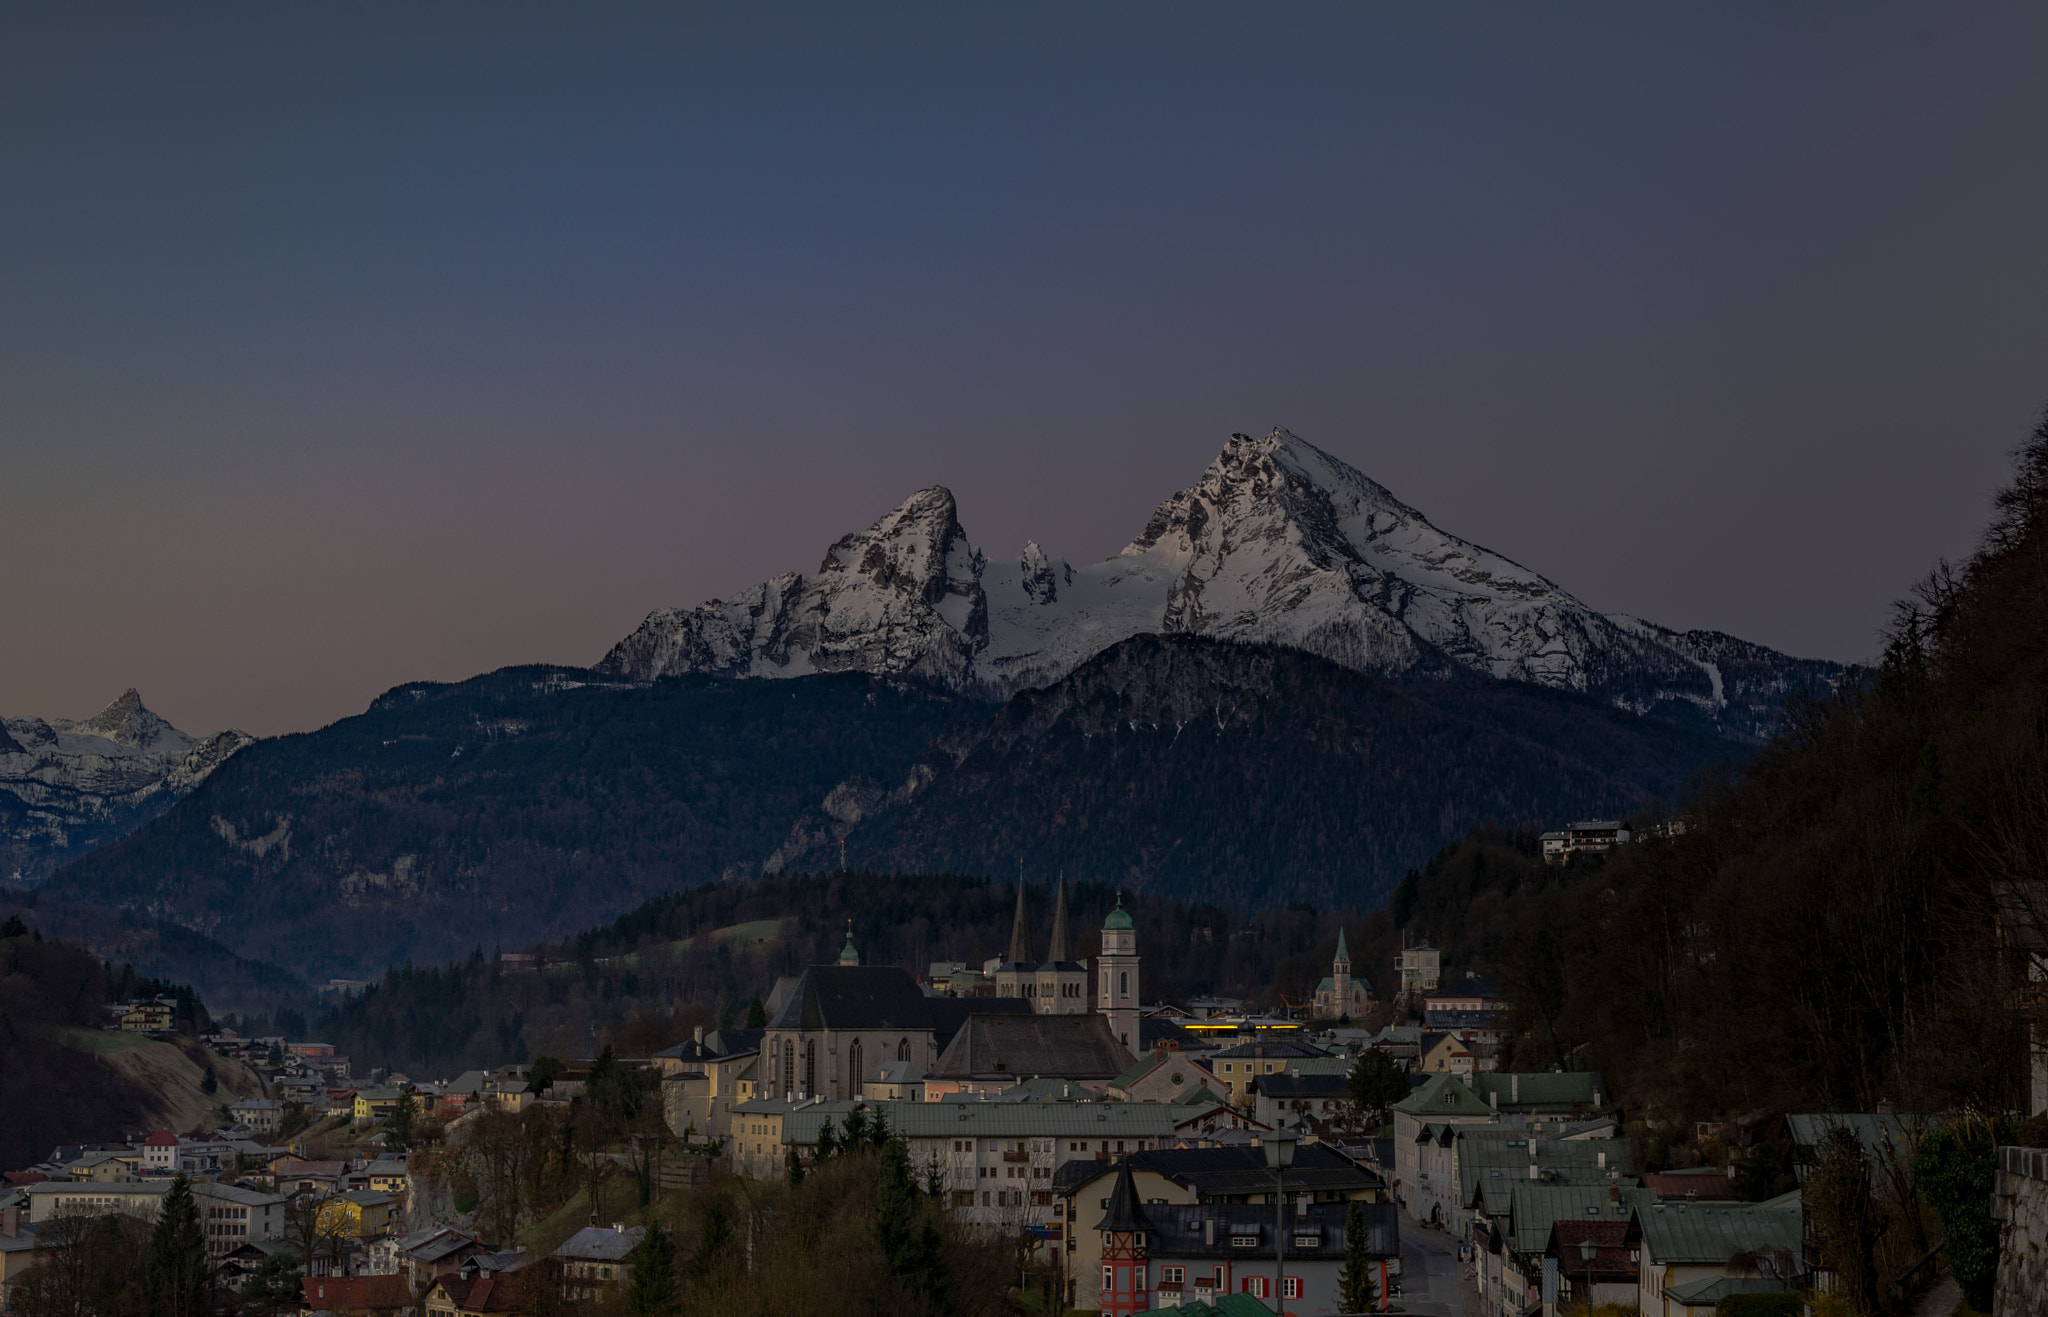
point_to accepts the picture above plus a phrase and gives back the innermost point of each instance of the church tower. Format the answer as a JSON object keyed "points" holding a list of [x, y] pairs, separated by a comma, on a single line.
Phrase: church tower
{"points": [[1117, 977], [1017, 974], [1340, 970], [1062, 983]]}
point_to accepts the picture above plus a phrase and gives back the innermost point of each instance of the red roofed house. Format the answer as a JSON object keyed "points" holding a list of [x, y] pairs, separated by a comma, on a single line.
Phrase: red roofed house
{"points": [[365, 1296], [1595, 1264], [478, 1296], [160, 1151]]}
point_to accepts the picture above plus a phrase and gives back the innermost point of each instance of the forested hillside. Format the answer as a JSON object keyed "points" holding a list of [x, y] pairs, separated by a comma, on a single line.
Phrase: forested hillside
{"points": [[1212, 771], [56, 1086], [1825, 932], [526, 803]]}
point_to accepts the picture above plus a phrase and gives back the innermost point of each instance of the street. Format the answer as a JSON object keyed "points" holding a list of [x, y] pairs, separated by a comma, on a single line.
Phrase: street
{"points": [[1429, 1271]]}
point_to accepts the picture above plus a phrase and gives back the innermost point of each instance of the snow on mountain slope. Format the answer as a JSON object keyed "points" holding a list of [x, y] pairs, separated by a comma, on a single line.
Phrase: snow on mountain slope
{"points": [[67, 785], [1279, 543]]}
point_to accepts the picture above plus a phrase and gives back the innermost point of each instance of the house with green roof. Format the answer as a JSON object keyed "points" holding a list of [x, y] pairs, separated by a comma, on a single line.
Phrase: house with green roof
{"points": [[1162, 1075], [1691, 1254], [1422, 1163]]}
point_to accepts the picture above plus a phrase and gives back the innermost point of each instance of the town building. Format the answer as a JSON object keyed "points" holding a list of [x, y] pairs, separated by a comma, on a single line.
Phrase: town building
{"points": [[1591, 837], [1693, 1255], [991, 1053], [1166, 1074], [596, 1261], [1421, 969], [1341, 996], [260, 1115], [1238, 1068], [160, 1151]]}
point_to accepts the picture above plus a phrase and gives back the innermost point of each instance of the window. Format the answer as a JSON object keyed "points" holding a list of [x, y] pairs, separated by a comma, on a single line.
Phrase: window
{"points": [[1123, 984], [1290, 1287], [903, 1050], [1138, 1279], [963, 1198], [1259, 1287], [1108, 1279], [1244, 1241], [811, 1068], [1171, 1275]]}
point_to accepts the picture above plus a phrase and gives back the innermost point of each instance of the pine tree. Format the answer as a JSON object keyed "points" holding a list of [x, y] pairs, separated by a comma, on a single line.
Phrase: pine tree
{"points": [[398, 1135], [793, 1168], [828, 1142], [1357, 1290], [175, 1277], [757, 1014], [896, 1209], [653, 1291], [209, 1083]]}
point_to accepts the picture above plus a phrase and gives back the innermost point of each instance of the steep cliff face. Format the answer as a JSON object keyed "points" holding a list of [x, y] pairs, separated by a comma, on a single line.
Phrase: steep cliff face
{"points": [[1278, 543], [69, 785]]}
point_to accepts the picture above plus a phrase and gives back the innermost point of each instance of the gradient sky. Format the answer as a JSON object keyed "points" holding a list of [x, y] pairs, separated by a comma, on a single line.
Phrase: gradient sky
{"points": [[343, 346]]}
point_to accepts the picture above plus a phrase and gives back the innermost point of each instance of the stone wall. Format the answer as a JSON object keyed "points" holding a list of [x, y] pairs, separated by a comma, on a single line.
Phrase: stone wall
{"points": [[2020, 1202]]}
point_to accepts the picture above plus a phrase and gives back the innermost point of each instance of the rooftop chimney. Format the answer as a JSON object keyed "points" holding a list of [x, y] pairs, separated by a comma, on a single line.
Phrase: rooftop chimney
{"points": [[698, 1035], [618, 1227], [10, 1222]]}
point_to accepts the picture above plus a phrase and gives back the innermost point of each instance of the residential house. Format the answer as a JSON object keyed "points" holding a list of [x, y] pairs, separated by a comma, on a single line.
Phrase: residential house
{"points": [[262, 1115], [1689, 1253], [1430, 1192], [1293, 1100], [231, 1216], [154, 1016], [292, 1175], [389, 1175], [160, 1152], [1593, 1262], [1592, 837], [1699, 1184], [18, 1249], [107, 1167], [1166, 1074], [1514, 1220], [1421, 969], [1444, 1054], [1472, 1005], [1238, 1068], [362, 1296], [373, 1104], [357, 1214], [701, 1079], [597, 1262], [1212, 1177], [425, 1256], [895, 1081], [481, 1294]]}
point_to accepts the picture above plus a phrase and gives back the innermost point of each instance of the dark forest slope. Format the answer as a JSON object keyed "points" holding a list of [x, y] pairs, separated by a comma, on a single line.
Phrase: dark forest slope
{"points": [[1825, 933], [522, 804], [1212, 771]]}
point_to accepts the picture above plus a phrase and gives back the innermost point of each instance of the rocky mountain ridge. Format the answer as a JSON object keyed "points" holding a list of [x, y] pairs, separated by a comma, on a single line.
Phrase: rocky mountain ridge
{"points": [[1278, 543], [67, 785]]}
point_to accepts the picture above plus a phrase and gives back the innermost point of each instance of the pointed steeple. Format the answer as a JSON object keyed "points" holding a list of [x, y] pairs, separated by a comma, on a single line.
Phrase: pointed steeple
{"points": [[1343, 952], [1124, 1216], [1058, 950], [1020, 933]]}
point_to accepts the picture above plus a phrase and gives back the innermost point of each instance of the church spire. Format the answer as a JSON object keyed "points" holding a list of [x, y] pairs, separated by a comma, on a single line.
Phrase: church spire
{"points": [[1059, 950], [1020, 933], [1343, 953]]}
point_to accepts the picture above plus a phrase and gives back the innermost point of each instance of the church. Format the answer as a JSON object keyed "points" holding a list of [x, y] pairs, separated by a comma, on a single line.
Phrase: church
{"points": [[1059, 984], [1341, 995]]}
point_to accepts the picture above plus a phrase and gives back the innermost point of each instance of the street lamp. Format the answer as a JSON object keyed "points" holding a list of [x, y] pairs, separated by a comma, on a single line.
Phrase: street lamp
{"points": [[1279, 1146]]}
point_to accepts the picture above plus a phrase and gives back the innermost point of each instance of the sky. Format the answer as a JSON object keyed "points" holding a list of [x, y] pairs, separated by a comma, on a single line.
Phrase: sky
{"points": [[342, 346]]}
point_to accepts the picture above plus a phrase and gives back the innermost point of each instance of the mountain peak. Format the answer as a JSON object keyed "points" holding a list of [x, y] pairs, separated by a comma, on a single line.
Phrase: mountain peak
{"points": [[126, 721]]}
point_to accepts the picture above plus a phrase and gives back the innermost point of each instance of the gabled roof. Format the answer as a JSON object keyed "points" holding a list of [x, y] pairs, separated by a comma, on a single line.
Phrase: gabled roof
{"points": [[1277, 1049], [878, 997], [1713, 1289], [1068, 1046], [1711, 1235], [318, 1293], [601, 1243], [1540, 1091], [161, 1139], [1303, 1086], [1444, 1095], [1538, 1207]]}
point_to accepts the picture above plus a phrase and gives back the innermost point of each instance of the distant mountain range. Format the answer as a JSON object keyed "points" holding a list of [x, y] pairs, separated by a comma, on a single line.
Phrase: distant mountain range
{"points": [[1279, 543], [1289, 687], [67, 786]]}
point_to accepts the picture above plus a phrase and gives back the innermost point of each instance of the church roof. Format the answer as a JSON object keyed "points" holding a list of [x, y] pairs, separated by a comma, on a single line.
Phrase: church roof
{"points": [[1020, 932], [1059, 953], [1342, 952], [855, 997], [1067, 1046], [1119, 918]]}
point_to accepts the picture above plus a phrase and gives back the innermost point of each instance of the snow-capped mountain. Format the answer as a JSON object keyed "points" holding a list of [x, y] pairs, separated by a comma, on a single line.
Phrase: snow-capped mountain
{"points": [[1279, 543], [67, 785]]}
